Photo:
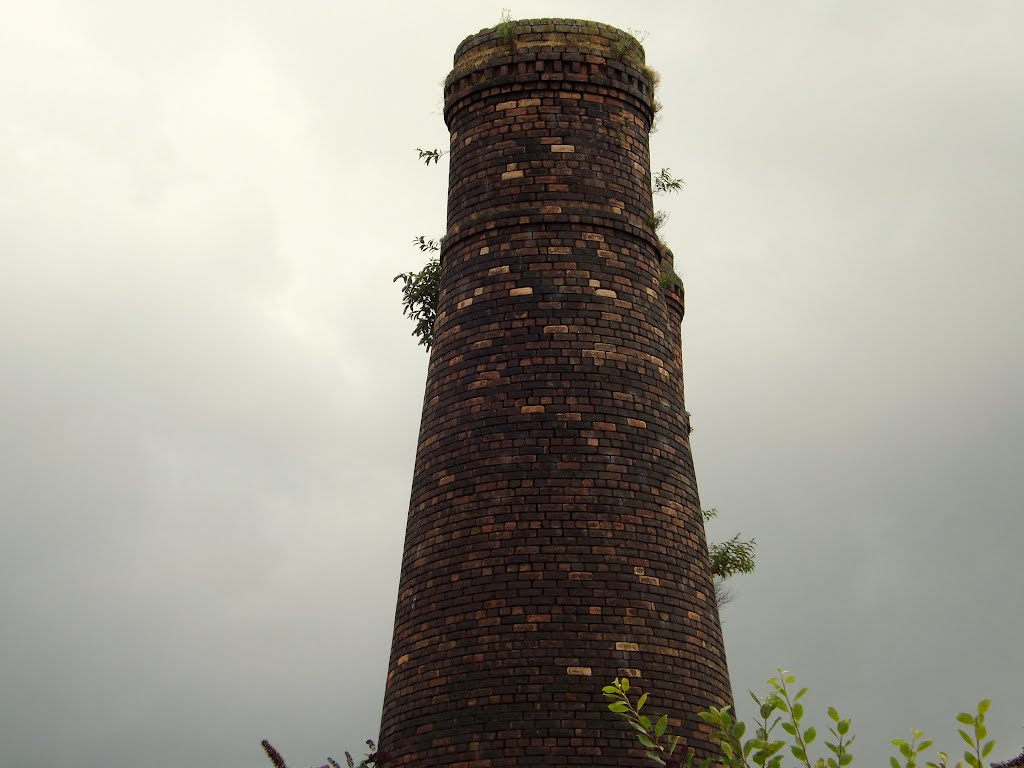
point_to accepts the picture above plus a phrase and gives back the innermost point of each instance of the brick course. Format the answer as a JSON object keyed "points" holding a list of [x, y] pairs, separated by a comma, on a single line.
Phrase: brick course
{"points": [[554, 539]]}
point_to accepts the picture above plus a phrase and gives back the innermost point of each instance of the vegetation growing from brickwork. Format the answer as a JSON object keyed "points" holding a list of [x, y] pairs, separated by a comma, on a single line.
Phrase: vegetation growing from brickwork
{"points": [[628, 42], [507, 30], [663, 182], [670, 277], [420, 291], [781, 707], [657, 221], [431, 155], [729, 558]]}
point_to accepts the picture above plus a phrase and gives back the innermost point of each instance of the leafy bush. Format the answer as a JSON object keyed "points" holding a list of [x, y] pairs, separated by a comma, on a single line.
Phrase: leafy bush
{"points": [[781, 708]]}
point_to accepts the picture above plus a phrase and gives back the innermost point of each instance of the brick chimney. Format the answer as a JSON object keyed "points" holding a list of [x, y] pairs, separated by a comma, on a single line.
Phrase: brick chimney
{"points": [[555, 539]]}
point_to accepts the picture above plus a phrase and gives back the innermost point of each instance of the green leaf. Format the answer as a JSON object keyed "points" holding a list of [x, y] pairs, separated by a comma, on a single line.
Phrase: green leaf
{"points": [[641, 702], [625, 684], [905, 750], [988, 748], [798, 753], [790, 678], [844, 726], [972, 760], [924, 745], [655, 757], [798, 712], [965, 737], [646, 740], [659, 729], [894, 762], [645, 721], [707, 717], [738, 730], [789, 728], [809, 735], [727, 749], [983, 706], [965, 718], [618, 707], [800, 694], [846, 759], [980, 731], [675, 743], [610, 690], [834, 714]]}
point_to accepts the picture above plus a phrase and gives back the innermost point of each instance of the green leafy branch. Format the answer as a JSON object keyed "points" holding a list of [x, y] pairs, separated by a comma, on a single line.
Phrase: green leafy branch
{"points": [[664, 182], [421, 291], [781, 708], [649, 733], [729, 558], [732, 556], [431, 155], [978, 747]]}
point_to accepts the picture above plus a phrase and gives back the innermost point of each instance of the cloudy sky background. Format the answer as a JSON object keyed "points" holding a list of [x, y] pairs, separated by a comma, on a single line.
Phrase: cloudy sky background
{"points": [[209, 399]]}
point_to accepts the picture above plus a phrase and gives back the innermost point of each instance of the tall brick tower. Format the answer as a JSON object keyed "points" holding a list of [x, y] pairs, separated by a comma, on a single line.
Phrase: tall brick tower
{"points": [[555, 539]]}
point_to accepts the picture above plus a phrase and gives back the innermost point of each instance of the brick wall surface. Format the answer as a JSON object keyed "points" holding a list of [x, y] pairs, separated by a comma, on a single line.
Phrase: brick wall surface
{"points": [[554, 537]]}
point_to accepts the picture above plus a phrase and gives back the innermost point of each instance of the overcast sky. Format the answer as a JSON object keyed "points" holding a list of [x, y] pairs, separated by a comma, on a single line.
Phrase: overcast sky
{"points": [[209, 399]]}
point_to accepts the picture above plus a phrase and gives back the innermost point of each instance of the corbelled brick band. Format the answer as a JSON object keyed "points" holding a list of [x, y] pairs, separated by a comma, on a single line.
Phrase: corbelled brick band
{"points": [[555, 539]]}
